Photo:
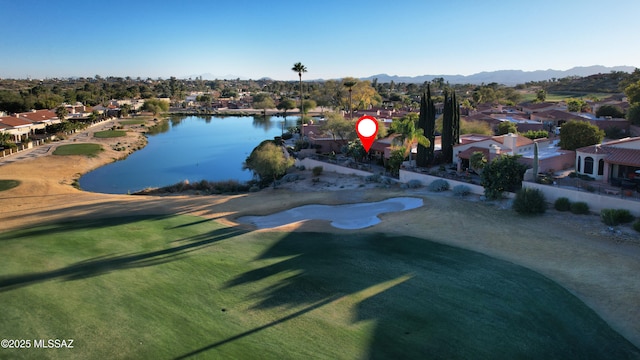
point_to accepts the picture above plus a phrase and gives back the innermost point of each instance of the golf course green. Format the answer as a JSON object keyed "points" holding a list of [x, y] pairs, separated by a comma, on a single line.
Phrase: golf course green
{"points": [[163, 287]]}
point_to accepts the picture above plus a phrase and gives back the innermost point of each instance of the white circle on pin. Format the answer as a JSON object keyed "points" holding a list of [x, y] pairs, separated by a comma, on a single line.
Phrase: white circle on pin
{"points": [[367, 128]]}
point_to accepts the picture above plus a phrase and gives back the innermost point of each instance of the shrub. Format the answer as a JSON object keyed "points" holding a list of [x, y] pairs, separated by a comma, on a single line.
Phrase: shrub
{"points": [[414, 184], [636, 226], [317, 170], [287, 136], [613, 217], [529, 202], [290, 178], [461, 190], [580, 208], [439, 185], [375, 178], [562, 204]]}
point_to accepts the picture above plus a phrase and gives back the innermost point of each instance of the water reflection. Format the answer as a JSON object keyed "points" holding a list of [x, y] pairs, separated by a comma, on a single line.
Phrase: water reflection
{"points": [[262, 122]]}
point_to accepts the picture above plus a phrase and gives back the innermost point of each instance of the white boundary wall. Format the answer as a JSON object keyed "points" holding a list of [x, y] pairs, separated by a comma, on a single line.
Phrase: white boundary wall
{"points": [[596, 202]]}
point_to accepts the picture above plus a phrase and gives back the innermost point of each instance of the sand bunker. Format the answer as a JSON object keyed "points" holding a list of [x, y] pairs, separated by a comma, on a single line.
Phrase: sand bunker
{"points": [[350, 216]]}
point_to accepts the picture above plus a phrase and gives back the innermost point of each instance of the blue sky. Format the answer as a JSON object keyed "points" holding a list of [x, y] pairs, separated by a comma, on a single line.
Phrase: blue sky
{"points": [[333, 39]]}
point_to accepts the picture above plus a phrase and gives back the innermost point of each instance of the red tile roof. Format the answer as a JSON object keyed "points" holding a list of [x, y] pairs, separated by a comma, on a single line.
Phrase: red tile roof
{"points": [[467, 153], [628, 157], [13, 121], [38, 115]]}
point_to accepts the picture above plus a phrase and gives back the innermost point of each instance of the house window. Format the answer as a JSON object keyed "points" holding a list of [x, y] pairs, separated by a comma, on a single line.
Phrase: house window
{"points": [[588, 165], [579, 161], [601, 167]]}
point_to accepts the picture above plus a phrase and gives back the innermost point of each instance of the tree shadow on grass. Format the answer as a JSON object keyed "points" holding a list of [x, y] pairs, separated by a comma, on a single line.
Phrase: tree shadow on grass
{"points": [[426, 300], [105, 264]]}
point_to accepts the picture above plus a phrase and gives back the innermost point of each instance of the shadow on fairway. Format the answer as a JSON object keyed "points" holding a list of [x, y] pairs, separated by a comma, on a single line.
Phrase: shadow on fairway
{"points": [[426, 300], [105, 264]]}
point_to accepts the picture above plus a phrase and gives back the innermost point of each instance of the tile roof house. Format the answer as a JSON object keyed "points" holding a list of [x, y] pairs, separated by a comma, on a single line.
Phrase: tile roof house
{"points": [[614, 161], [16, 126], [543, 106], [550, 156]]}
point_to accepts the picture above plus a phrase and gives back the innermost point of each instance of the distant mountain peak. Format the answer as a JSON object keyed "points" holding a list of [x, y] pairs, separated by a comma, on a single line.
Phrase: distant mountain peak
{"points": [[506, 77]]}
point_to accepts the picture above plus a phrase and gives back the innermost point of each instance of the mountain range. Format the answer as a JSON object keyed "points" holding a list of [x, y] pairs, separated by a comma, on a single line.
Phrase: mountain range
{"points": [[506, 77]]}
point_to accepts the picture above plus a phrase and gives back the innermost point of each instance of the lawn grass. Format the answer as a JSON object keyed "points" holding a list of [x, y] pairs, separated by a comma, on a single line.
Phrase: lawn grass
{"points": [[131, 122], [167, 287], [109, 134], [78, 149], [8, 184]]}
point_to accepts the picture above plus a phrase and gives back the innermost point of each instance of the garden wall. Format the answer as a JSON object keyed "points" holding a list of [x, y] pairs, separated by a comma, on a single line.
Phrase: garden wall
{"points": [[406, 176], [311, 163], [596, 202]]}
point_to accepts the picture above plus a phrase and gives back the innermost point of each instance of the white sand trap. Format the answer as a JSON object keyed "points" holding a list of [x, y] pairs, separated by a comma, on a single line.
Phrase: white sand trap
{"points": [[349, 216]]}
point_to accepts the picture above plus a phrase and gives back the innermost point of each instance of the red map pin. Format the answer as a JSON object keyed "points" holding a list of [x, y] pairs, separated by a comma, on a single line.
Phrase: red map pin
{"points": [[367, 129]]}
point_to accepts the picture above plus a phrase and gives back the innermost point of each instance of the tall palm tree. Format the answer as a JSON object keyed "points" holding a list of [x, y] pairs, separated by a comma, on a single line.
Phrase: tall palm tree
{"points": [[350, 84], [299, 68], [409, 134]]}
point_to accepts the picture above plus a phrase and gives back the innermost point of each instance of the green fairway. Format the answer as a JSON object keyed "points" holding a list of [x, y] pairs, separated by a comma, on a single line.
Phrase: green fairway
{"points": [[109, 134], [182, 286], [78, 149], [8, 184]]}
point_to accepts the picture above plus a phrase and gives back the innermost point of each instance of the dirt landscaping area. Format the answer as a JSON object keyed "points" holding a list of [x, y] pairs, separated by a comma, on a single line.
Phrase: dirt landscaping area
{"points": [[599, 266]]}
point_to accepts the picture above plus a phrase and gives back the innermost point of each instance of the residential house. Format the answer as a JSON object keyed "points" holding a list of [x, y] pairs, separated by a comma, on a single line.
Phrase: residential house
{"points": [[17, 127], [543, 106], [616, 162], [550, 156]]}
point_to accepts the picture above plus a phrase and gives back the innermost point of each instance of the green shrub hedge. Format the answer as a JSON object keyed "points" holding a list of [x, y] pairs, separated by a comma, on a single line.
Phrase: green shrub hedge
{"points": [[562, 204], [613, 217], [580, 208], [529, 202]]}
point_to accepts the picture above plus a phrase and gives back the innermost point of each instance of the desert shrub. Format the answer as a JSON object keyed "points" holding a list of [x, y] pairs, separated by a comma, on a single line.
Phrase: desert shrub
{"points": [[387, 180], [439, 185], [636, 225], [461, 190], [613, 217], [580, 208], [529, 202], [414, 184], [375, 178], [301, 168], [290, 178], [317, 170], [562, 204]]}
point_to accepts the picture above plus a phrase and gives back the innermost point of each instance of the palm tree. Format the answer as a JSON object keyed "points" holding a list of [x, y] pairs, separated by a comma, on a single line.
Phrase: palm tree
{"points": [[299, 68], [61, 112], [350, 84], [409, 134]]}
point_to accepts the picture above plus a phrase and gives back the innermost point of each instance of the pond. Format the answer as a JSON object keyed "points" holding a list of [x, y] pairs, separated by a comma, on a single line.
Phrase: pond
{"points": [[189, 148]]}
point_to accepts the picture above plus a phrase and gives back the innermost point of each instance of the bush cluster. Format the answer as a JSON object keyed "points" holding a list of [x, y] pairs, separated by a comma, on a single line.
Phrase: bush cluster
{"points": [[211, 187], [414, 184], [613, 217], [580, 208], [636, 225], [317, 170], [461, 190], [562, 204], [439, 185], [529, 202]]}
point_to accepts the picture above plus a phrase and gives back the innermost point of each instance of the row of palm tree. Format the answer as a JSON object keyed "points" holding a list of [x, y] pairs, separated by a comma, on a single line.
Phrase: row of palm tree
{"points": [[300, 68]]}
